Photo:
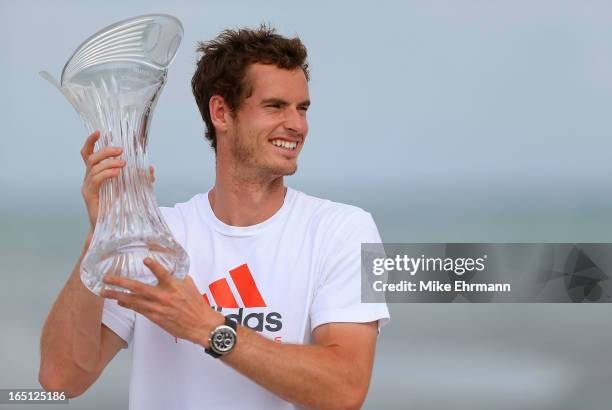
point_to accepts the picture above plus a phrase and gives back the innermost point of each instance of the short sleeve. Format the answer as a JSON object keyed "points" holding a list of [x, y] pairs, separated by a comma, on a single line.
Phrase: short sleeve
{"points": [[173, 219], [119, 319], [338, 294]]}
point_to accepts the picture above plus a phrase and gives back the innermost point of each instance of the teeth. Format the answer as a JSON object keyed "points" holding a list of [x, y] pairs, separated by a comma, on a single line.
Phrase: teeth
{"points": [[284, 144]]}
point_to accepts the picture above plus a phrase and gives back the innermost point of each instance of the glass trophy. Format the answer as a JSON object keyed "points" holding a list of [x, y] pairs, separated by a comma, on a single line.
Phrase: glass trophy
{"points": [[113, 80]]}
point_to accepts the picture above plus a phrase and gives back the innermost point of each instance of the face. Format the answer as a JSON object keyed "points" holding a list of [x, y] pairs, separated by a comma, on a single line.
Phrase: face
{"points": [[269, 129]]}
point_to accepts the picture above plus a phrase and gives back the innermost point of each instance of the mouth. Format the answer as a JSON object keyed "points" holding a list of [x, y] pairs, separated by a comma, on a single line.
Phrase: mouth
{"points": [[284, 144]]}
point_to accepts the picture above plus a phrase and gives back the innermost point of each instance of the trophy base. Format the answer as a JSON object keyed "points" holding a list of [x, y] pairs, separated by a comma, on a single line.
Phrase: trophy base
{"points": [[127, 261]]}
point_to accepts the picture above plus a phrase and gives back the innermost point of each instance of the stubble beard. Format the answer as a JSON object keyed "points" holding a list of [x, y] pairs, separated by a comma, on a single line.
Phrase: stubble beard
{"points": [[251, 168]]}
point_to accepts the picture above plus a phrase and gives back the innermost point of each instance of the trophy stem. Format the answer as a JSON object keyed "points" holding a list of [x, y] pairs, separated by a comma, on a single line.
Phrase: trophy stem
{"points": [[129, 226]]}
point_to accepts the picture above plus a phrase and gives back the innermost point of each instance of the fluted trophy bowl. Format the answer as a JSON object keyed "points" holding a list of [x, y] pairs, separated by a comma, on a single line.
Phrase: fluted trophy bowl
{"points": [[113, 80]]}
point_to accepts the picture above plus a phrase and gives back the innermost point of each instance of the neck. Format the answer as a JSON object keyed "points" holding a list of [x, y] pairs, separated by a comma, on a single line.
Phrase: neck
{"points": [[245, 202]]}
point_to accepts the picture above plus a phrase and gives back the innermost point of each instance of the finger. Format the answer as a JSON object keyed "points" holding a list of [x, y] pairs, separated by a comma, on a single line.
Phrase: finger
{"points": [[91, 185], [134, 286], [162, 275], [145, 175], [123, 297], [191, 286], [135, 302], [102, 154], [140, 308], [89, 145], [152, 173], [94, 182], [109, 163]]}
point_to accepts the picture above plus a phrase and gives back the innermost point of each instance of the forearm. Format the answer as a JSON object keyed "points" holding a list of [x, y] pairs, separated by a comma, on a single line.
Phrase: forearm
{"points": [[313, 376], [70, 341]]}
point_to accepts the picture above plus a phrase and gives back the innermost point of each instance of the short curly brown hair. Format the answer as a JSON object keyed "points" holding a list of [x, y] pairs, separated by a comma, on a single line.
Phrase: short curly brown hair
{"points": [[221, 69]]}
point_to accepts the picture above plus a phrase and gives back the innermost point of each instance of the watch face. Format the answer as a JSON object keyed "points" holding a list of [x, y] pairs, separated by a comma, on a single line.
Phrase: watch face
{"points": [[223, 339]]}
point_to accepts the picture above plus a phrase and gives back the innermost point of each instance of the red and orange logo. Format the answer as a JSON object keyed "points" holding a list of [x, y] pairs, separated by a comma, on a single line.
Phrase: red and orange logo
{"points": [[250, 296], [245, 285]]}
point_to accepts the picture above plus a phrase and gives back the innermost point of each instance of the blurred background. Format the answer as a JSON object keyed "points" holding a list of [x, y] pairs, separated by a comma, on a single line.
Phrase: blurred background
{"points": [[464, 121]]}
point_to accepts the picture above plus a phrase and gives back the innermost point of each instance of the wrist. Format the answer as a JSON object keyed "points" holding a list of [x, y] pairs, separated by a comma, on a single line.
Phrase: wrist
{"points": [[210, 324]]}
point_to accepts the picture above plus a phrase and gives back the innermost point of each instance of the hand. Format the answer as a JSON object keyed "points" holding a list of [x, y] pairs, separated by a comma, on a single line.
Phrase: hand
{"points": [[100, 166], [175, 306]]}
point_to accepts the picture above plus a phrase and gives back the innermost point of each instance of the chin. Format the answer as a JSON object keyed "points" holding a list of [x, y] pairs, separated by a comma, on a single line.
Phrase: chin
{"points": [[283, 170], [291, 171]]}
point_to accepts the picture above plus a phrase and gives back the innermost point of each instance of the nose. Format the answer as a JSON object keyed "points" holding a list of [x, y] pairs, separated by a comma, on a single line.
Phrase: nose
{"points": [[295, 120]]}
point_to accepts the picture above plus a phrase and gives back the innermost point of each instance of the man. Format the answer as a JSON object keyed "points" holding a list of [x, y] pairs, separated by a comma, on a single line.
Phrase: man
{"points": [[283, 266]]}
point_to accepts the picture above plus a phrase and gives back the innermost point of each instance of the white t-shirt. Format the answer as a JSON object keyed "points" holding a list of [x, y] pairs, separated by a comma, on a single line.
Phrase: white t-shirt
{"points": [[283, 277]]}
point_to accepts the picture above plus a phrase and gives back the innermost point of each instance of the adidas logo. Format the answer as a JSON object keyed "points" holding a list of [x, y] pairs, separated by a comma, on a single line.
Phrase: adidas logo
{"points": [[250, 297], [245, 285]]}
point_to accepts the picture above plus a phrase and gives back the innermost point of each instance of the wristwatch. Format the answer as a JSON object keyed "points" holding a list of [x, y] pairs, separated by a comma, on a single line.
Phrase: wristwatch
{"points": [[222, 339]]}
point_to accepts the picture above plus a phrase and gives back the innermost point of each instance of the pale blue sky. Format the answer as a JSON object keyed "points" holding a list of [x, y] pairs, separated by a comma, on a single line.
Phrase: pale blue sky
{"points": [[466, 102]]}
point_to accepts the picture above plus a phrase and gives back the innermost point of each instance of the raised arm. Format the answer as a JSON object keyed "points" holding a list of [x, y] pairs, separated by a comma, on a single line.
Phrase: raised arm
{"points": [[75, 346]]}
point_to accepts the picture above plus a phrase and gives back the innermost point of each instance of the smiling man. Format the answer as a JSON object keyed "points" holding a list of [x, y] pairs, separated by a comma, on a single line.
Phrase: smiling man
{"points": [[270, 315]]}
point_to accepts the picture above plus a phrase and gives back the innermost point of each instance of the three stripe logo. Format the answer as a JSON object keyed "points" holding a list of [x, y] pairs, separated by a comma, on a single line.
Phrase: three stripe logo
{"points": [[245, 285], [224, 297]]}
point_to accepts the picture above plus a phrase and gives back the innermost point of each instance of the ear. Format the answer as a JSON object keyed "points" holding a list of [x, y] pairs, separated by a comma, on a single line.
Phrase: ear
{"points": [[219, 113]]}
